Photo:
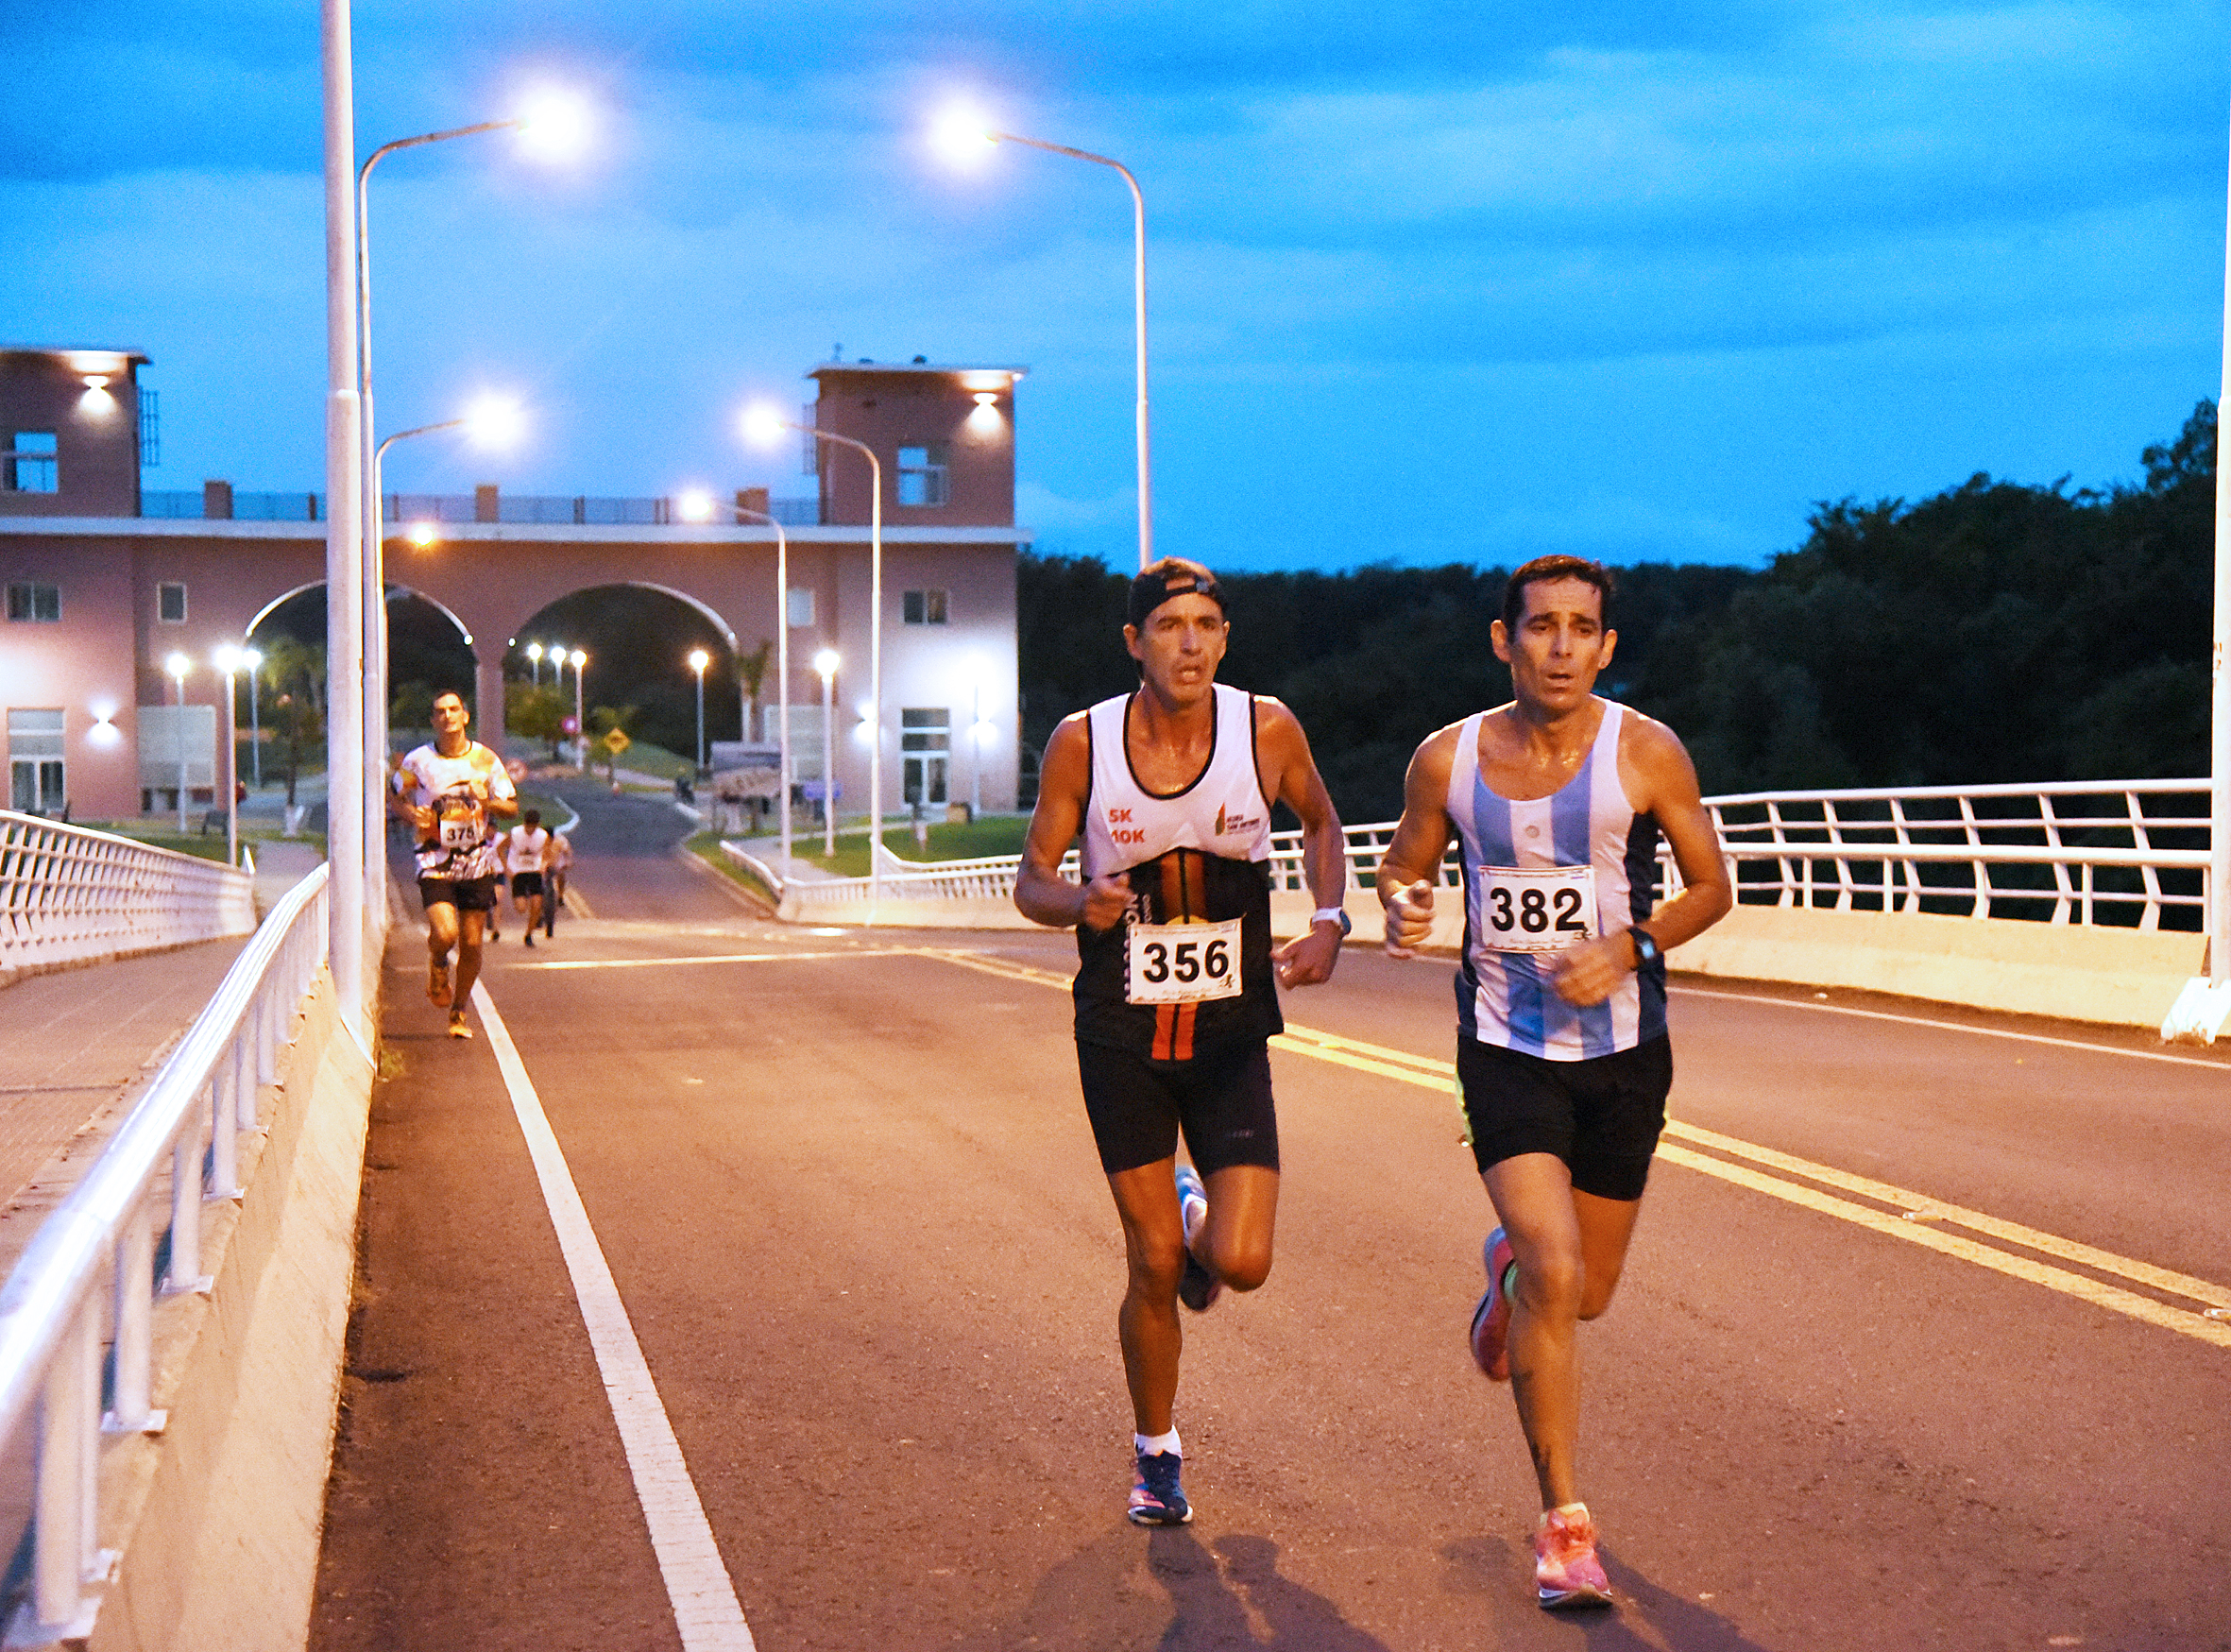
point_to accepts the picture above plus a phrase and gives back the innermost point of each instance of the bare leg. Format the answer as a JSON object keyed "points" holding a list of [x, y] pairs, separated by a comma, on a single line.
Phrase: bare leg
{"points": [[441, 936], [469, 931], [1571, 1248], [1154, 1250], [1234, 1243]]}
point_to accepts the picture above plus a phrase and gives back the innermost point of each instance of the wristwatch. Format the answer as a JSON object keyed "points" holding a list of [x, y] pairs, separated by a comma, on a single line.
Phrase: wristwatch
{"points": [[1333, 915], [1646, 950]]}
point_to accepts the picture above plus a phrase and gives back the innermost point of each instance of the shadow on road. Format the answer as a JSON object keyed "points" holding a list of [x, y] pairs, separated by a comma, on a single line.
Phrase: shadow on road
{"points": [[1647, 1619]]}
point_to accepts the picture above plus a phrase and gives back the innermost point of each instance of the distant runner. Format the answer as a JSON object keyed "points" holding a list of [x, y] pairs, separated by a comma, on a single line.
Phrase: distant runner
{"points": [[524, 848], [1177, 984], [449, 792], [557, 857], [1557, 802]]}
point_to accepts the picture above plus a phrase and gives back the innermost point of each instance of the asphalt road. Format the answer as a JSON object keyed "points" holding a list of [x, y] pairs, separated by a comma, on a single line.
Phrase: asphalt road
{"points": [[1864, 1384]]}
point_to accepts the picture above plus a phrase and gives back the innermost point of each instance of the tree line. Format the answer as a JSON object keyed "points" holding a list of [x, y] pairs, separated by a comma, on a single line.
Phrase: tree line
{"points": [[1995, 631]]}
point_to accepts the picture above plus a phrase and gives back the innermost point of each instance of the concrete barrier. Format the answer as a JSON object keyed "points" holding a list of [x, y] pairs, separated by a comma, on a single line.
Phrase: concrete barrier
{"points": [[217, 1518]]}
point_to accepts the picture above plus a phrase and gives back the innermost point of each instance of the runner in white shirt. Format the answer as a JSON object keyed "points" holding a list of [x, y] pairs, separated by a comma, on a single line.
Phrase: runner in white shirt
{"points": [[525, 847], [449, 792]]}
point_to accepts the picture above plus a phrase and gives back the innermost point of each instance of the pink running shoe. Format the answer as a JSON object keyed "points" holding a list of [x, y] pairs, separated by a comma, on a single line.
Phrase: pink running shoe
{"points": [[1491, 1320], [1566, 1572]]}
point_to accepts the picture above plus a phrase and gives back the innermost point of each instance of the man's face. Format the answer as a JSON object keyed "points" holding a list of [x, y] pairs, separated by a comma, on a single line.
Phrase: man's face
{"points": [[1561, 646], [450, 716], [1181, 645]]}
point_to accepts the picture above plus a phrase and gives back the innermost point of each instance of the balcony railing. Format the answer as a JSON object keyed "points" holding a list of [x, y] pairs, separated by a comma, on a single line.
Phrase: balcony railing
{"points": [[551, 509]]}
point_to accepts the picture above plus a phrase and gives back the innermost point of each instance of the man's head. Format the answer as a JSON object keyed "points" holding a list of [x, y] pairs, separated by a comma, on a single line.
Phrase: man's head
{"points": [[1176, 627], [450, 716], [534, 818], [1553, 633]]}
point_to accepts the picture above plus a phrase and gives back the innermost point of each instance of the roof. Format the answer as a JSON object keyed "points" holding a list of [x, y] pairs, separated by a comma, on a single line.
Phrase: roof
{"points": [[113, 355], [865, 368]]}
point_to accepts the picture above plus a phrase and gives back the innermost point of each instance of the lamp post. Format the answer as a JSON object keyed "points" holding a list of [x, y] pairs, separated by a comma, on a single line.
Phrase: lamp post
{"points": [[1138, 260], [699, 659], [782, 662], [825, 664], [769, 422], [534, 658], [580, 718], [227, 660], [178, 665], [253, 660], [976, 738]]}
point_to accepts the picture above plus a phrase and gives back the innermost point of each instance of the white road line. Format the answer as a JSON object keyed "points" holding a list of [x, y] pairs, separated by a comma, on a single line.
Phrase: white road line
{"points": [[697, 1582], [717, 957], [2182, 1060]]}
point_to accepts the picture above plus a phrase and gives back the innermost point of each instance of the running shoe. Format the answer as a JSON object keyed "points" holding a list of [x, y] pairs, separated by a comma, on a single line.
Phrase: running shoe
{"points": [[1566, 1572], [1491, 1320], [437, 985], [459, 1027], [1198, 1287], [530, 936], [1158, 1499]]}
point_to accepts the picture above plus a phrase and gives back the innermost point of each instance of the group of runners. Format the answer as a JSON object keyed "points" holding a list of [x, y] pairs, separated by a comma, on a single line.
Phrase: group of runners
{"points": [[452, 790], [1557, 804]]}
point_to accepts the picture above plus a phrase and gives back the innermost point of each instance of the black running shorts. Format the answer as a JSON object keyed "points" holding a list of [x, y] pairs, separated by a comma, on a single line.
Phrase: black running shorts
{"points": [[525, 883], [1221, 1101], [468, 895], [1601, 1116]]}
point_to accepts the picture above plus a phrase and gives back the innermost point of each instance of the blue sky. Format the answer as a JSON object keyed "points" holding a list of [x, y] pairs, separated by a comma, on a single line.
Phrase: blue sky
{"points": [[1428, 282]]}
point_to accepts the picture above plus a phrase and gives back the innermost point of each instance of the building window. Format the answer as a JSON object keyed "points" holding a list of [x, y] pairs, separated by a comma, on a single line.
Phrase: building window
{"points": [[925, 734], [31, 463], [922, 475], [801, 606], [923, 607], [35, 762], [34, 601], [170, 604]]}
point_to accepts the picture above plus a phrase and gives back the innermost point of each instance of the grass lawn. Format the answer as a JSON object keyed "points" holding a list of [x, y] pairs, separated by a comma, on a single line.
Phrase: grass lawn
{"points": [[959, 841], [164, 834], [707, 847]]}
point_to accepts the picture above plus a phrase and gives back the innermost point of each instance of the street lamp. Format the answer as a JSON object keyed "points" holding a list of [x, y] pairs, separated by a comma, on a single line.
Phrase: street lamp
{"points": [[227, 661], [782, 661], [699, 659], [976, 736], [253, 660], [764, 425], [580, 720], [178, 665], [825, 664], [534, 655], [960, 137]]}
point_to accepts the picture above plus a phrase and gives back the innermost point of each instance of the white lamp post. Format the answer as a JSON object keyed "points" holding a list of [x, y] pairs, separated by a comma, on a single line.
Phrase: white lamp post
{"points": [[699, 659], [825, 664], [580, 718], [227, 660], [534, 657], [976, 736], [959, 139], [178, 665], [253, 660], [762, 424], [782, 662]]}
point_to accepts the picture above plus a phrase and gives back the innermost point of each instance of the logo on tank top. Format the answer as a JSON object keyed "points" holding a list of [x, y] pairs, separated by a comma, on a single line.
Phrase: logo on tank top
{"points": [[1234, 825], [1120, 832]]}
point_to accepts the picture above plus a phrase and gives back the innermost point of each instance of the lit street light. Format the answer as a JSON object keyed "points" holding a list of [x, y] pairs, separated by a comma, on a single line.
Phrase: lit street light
{"points": [[699, 659], [178, 665], [580, 720], [764, 425], [963, 139], [253, 660], [825, 664], [534, 655], [227, 661]]}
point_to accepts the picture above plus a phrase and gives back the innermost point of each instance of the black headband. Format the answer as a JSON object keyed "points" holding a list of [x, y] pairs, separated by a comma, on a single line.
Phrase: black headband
{"points": [[1155, 586]]}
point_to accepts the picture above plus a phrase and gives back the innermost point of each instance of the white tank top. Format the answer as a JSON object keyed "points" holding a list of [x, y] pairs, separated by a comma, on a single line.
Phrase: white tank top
{"points": [[526, 844], [1518, 910], [1224, 814]]}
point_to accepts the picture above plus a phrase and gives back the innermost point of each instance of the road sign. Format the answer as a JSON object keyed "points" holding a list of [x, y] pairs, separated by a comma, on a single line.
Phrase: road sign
{"points": [[514, 768], [569, 725], [616, 742]]}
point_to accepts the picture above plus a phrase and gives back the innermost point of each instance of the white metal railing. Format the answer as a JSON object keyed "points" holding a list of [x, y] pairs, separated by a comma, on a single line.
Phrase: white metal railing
{"points": [[2087, 852], [179, 1145], [68, 893]]}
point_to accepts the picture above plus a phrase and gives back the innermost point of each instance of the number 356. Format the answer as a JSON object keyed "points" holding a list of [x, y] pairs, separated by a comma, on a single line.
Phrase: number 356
{"points": [[1187, 961]]}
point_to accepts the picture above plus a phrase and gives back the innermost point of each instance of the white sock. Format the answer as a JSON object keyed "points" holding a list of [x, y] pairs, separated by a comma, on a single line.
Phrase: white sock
{"points": [[1151, 1444]]}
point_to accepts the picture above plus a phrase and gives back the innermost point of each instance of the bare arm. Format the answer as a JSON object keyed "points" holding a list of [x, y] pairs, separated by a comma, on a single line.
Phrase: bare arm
{"points": [[1282, 750], [1041, 893], [1410, 869]]}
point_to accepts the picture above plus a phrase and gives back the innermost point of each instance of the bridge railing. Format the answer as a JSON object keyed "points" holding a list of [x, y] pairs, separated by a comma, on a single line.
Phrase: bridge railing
{"points": [[177, 1147], [68, 893], [2126, 853]]}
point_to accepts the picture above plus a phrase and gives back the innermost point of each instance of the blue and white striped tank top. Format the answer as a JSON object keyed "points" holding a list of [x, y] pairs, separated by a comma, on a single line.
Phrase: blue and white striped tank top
{"points": [[1504, 994]]}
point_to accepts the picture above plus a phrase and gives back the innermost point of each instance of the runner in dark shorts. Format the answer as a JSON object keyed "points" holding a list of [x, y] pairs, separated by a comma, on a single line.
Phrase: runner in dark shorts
{"points": [[452, 790]]}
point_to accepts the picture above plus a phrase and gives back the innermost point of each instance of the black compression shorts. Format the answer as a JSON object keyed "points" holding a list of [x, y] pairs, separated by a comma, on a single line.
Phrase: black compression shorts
{"points": [[1602, 1116], [1221, 1101], [525, 883], [468, 895]]}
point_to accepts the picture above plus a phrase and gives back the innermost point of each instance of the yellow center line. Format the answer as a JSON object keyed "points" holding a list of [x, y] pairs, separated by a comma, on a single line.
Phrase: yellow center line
{"points": [[714, 958], [1919, 1219]]}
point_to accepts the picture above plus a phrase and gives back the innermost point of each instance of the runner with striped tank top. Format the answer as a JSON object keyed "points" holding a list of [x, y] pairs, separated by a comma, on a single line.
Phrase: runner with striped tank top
{"points": [[1557, 803], [1177, 984]]}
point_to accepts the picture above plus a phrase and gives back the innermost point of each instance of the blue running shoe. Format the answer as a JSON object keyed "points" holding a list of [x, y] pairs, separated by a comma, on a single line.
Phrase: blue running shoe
{"points": [[1158, 1499], [1491, 1320], [1197, 1287]]}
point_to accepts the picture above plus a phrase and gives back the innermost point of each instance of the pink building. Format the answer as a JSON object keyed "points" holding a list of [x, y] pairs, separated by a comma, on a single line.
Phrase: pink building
{"points": [[108, 588]]}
